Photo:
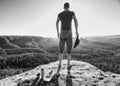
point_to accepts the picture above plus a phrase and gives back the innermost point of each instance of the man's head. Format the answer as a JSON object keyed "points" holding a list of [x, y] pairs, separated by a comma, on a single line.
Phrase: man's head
{"points": [[66, 5]]}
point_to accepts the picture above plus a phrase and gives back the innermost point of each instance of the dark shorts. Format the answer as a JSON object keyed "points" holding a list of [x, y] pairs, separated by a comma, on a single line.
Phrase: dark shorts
{"points": [[65, 37]]}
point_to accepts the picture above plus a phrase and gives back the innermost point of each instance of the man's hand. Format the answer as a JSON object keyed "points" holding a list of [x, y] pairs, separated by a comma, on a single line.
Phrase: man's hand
{"points": [[77, 34]]}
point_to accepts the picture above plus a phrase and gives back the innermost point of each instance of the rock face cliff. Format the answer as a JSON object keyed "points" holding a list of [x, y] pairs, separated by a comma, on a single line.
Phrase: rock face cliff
{"points": [[83, 74]]}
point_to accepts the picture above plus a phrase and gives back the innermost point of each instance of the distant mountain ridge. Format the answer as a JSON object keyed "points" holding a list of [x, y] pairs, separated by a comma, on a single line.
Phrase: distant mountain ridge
{"points": [[114, 39], [5, 43], [14, 42], [51, 44], [24, 41]]}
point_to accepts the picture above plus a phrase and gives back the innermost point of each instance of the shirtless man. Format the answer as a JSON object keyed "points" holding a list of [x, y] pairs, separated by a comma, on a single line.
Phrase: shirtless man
{"points": [[65, 35]]}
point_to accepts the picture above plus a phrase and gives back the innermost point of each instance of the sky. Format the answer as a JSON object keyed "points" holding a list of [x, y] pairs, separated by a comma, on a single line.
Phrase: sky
{"points": [[38, 17]]}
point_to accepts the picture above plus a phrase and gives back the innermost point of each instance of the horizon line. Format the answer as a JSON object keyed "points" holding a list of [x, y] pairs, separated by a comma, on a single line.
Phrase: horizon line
{"points": [[73, 36]]}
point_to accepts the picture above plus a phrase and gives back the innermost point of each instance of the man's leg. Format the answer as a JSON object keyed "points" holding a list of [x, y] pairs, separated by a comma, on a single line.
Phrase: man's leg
{"points": [[69, 49], [61, 49], [60, 58], [68, 58], [60, 62]]}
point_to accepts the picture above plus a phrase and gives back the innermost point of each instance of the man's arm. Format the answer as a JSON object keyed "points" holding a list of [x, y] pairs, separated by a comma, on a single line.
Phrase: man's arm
{"points": [[57, 26], [76, 25]]}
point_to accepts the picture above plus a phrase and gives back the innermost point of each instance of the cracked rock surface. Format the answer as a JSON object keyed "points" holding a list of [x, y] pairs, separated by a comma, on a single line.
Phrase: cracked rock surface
{"points": [[83, 74]]}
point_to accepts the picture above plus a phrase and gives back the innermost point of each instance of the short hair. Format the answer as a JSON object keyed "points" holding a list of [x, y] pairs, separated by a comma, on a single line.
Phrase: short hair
{"points": [[66, 5]]}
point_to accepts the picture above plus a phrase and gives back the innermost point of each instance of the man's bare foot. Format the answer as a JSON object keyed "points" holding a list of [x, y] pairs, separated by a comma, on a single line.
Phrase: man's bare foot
{"points": [[68, 71], [69, 67]]}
